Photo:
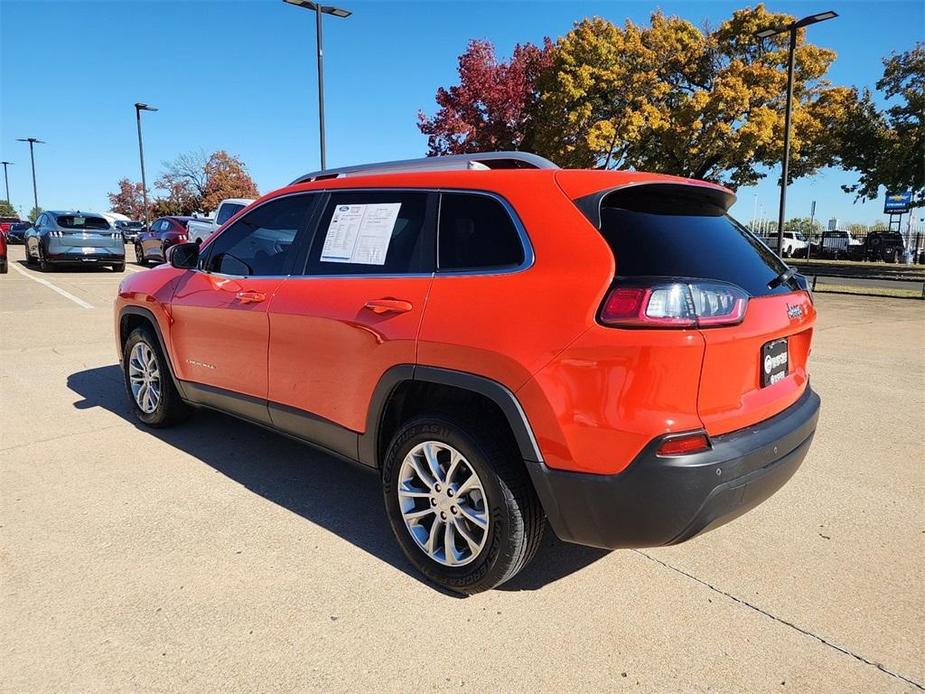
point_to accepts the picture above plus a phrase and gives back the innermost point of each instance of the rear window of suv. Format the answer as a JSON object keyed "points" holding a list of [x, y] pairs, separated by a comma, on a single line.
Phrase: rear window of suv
{"points": [[663, 236], [68, 221]]}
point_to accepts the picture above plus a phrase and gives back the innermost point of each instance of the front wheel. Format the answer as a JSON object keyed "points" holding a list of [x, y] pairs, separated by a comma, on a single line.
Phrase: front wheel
{"points": [[118, 267], [154, 398], [460, 503]]}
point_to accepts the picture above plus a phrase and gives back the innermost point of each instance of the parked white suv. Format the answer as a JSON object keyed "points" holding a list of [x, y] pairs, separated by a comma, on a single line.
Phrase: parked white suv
{"points": [[200, 230]]}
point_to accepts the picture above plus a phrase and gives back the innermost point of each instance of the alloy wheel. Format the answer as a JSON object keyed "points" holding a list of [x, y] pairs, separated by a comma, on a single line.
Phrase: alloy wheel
{"points": [[443, 503], [144, 377]]}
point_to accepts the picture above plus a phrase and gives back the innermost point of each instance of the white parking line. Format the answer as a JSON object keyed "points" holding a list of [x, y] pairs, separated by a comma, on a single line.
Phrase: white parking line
{"points": [[67, 295]]}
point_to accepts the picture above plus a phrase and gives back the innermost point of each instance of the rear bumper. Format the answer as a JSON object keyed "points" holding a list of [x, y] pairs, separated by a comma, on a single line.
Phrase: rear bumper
{"points": [[662, 501], [99, 256]]}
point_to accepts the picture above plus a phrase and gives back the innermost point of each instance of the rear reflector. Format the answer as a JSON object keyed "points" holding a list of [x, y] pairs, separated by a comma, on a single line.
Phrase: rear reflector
{"points": [[683, 445], [674, 304]]}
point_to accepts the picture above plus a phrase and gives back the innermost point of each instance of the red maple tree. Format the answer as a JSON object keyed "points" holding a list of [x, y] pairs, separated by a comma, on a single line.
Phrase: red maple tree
{"points": [[491, 107]]}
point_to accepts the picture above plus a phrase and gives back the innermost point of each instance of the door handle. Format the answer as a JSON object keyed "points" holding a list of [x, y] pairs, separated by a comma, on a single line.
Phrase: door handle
{"points": [[250, 297], [388, 306]]}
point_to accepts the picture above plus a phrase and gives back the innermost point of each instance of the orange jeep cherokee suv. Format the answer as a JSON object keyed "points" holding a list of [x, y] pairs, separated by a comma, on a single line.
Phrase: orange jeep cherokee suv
{"points": [[504, 341]]}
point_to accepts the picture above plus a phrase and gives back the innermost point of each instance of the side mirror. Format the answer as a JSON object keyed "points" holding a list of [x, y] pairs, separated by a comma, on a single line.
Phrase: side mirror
{"points": [[184, 256]]}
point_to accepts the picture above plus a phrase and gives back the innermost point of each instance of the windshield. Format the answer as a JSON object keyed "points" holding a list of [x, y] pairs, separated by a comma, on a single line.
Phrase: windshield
{"points": [[81, 222]]}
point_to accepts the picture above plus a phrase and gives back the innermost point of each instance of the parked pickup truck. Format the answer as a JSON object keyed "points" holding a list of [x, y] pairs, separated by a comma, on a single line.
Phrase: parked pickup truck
{"points": [[201, 229]]}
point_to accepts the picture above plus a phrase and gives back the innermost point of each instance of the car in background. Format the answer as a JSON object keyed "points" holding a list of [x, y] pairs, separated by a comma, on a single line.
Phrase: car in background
{"points": [[794, 243], [130, 229], [884, 246], [72, 237], [7, 222], [164, 232], [3, 263], [17, 232], [201, 229], [838, 244]]}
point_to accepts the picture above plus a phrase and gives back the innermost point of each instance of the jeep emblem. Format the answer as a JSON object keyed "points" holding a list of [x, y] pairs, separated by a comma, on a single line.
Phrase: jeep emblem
{"points": [[794, 311]]}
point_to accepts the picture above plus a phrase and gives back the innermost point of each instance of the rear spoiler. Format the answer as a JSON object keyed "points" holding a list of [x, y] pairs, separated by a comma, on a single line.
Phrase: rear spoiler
{"points": [[677, 198]]}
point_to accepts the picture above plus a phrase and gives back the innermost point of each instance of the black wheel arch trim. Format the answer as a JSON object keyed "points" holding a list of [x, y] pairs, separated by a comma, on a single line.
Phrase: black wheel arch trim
{"points": [[498, 393], [152, 320]]}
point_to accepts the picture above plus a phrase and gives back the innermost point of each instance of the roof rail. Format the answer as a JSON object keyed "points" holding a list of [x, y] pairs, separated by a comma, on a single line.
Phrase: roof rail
{"points": [[479, 160]]}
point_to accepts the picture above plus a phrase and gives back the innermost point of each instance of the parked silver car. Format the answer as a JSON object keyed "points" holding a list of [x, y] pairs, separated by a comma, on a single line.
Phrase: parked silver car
{"points": [[75, 238]]}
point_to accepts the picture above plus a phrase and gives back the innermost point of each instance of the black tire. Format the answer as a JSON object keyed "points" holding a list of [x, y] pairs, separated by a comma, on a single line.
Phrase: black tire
{"points": [[44, 265], [30, 261], [516, 519], [140, 255], [170, 408], [118, 267]]}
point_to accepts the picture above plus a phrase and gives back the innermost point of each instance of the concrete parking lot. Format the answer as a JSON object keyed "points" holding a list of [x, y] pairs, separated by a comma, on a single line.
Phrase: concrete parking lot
{"points": [[217, 556]]}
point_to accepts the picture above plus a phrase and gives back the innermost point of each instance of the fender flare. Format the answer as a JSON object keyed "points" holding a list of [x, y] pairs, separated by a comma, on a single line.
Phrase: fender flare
{"points": [[149, 316], [498, 393]]}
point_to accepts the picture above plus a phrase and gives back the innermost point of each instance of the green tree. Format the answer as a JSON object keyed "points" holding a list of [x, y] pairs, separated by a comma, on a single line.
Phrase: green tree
{"points": [[804, 225], [6, 209], [674, 98], [34, 213], [887, 148]]}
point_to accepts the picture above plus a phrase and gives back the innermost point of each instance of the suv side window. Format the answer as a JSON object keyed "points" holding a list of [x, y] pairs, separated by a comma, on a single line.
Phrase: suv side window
{"points": [[374, 233], [476, 232], [262, 242]]}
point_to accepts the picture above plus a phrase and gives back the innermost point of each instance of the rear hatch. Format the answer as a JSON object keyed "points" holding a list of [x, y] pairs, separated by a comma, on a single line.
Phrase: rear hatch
{"points": [[679, 237], [85, 231]]}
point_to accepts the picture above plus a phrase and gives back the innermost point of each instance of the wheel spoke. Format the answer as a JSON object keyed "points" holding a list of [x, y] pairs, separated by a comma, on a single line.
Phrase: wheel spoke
{"points": [[462, 530], [449, 545], [467, 486], [418, 515], [431, 546], [473, 516], [431, 455], [454, 465], [413, 493], [422, 475]]}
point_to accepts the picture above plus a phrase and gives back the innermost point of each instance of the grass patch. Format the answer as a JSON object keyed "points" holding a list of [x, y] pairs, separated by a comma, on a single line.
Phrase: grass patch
{"points": [[898, 292]]}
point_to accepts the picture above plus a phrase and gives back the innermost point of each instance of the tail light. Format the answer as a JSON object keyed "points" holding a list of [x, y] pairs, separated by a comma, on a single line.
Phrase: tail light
{"points": [[674, 304]]}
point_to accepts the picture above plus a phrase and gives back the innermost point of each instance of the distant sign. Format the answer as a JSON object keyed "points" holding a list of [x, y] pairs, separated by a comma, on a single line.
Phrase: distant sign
{"points": [[897, 203]]}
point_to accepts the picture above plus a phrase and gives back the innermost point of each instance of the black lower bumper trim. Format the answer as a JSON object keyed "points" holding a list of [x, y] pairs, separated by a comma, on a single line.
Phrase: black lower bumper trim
{"points": [[661, 501]]}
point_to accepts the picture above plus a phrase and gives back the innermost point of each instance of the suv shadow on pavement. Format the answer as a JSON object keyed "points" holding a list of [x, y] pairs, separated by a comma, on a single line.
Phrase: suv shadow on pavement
{"points": [[340, 497]]}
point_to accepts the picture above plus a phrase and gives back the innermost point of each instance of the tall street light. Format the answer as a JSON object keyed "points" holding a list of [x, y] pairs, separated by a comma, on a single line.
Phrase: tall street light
{"points": [[320, 9], [141, 155], [6, 179], [792, 29], [32, 142]]}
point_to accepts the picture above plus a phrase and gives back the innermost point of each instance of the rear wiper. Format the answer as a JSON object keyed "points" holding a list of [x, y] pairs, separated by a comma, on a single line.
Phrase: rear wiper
{"points": [[782, 278]]}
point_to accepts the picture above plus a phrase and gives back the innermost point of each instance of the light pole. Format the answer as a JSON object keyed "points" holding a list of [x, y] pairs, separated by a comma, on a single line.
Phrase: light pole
{"points": [[6, 180], [320, 9], [32, 142], [791, 29], [141, 155]]}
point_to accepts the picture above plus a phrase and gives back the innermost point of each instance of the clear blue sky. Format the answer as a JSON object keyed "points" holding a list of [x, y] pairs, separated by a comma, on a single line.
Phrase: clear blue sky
{"points": [[240, 76]]}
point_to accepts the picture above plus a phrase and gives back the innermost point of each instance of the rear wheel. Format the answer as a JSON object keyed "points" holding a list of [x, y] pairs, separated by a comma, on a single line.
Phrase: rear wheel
{"points": [[29, 259], [148, 384], [140, 255], [44, 265], [460, 503]]}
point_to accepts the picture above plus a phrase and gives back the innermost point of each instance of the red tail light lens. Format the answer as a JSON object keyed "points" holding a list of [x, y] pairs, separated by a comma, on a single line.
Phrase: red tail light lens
{"points": [[675, 304], [684, 445]]}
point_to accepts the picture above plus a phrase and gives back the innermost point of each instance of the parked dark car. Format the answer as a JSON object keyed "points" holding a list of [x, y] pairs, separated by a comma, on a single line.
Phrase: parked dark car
{"points": [[164, 232], [74, 238], [130, 230], [17, 232], [884, 246]]}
